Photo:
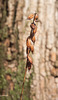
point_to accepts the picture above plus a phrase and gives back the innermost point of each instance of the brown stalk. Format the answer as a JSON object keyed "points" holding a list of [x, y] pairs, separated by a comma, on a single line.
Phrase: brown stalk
{"points": [[23, 84], [29, 46]]}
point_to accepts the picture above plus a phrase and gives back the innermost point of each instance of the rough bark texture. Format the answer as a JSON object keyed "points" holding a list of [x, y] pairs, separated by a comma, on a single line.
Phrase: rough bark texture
{"points": [[45, 53], [11, 7]]}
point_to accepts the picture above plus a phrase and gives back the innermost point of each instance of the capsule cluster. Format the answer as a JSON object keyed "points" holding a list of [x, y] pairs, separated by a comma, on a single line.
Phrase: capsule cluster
{"points": [[31, 39]]}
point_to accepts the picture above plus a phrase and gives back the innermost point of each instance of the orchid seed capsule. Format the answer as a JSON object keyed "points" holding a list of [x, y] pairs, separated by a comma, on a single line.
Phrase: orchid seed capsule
{"points": [[33, 39], [35, 30], [32, 48], [29, 59], [30, 16], [36, 17], [32, 25], [28, 50], [29, 65], [28, 43]]}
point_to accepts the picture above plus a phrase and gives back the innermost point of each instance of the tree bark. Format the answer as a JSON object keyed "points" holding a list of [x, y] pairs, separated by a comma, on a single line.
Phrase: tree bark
{"points": [[45, 54], [11, 7]]}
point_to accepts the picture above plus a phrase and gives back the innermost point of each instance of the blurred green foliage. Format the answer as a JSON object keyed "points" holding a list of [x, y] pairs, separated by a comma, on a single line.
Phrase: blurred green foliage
{"points": [[17, 78]]}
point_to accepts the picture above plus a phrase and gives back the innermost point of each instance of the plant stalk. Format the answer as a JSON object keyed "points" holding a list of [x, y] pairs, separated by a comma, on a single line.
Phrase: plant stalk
{"points": [[23, 84]]}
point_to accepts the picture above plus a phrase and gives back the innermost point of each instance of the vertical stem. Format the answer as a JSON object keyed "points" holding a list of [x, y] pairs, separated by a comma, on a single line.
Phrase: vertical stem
{"points": [[23, 84]]}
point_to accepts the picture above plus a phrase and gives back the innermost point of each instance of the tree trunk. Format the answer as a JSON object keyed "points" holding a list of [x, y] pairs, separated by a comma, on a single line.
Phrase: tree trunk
{"points": [[19, 22], [44, 57], [11, 9]]}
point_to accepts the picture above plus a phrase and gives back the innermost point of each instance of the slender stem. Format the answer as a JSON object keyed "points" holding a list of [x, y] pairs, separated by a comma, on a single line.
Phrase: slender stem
{"points": [[23, 84], [25, 72]]}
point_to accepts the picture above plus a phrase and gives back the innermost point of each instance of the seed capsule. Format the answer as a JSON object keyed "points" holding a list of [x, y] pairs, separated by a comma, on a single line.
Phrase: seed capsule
{"points": [[36, 17], [33, 39], [30, 16], [28, 43], [35, 30], [28, 50], [32, 48], [29, 59], [29, 65], [32, 25]]}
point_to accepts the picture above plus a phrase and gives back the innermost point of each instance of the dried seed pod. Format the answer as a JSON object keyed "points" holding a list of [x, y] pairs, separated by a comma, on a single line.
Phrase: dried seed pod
{"points": [[33, 39], [28, 50], [29, 59], [32, 48], [29, 65], [36, 17], [32, 25], [30, 16], [28, 43], [35, 30]]}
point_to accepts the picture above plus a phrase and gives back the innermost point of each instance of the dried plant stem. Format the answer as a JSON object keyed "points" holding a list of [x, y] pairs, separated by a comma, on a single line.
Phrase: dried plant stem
{"points": [[23, 83], [30, 47]]}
